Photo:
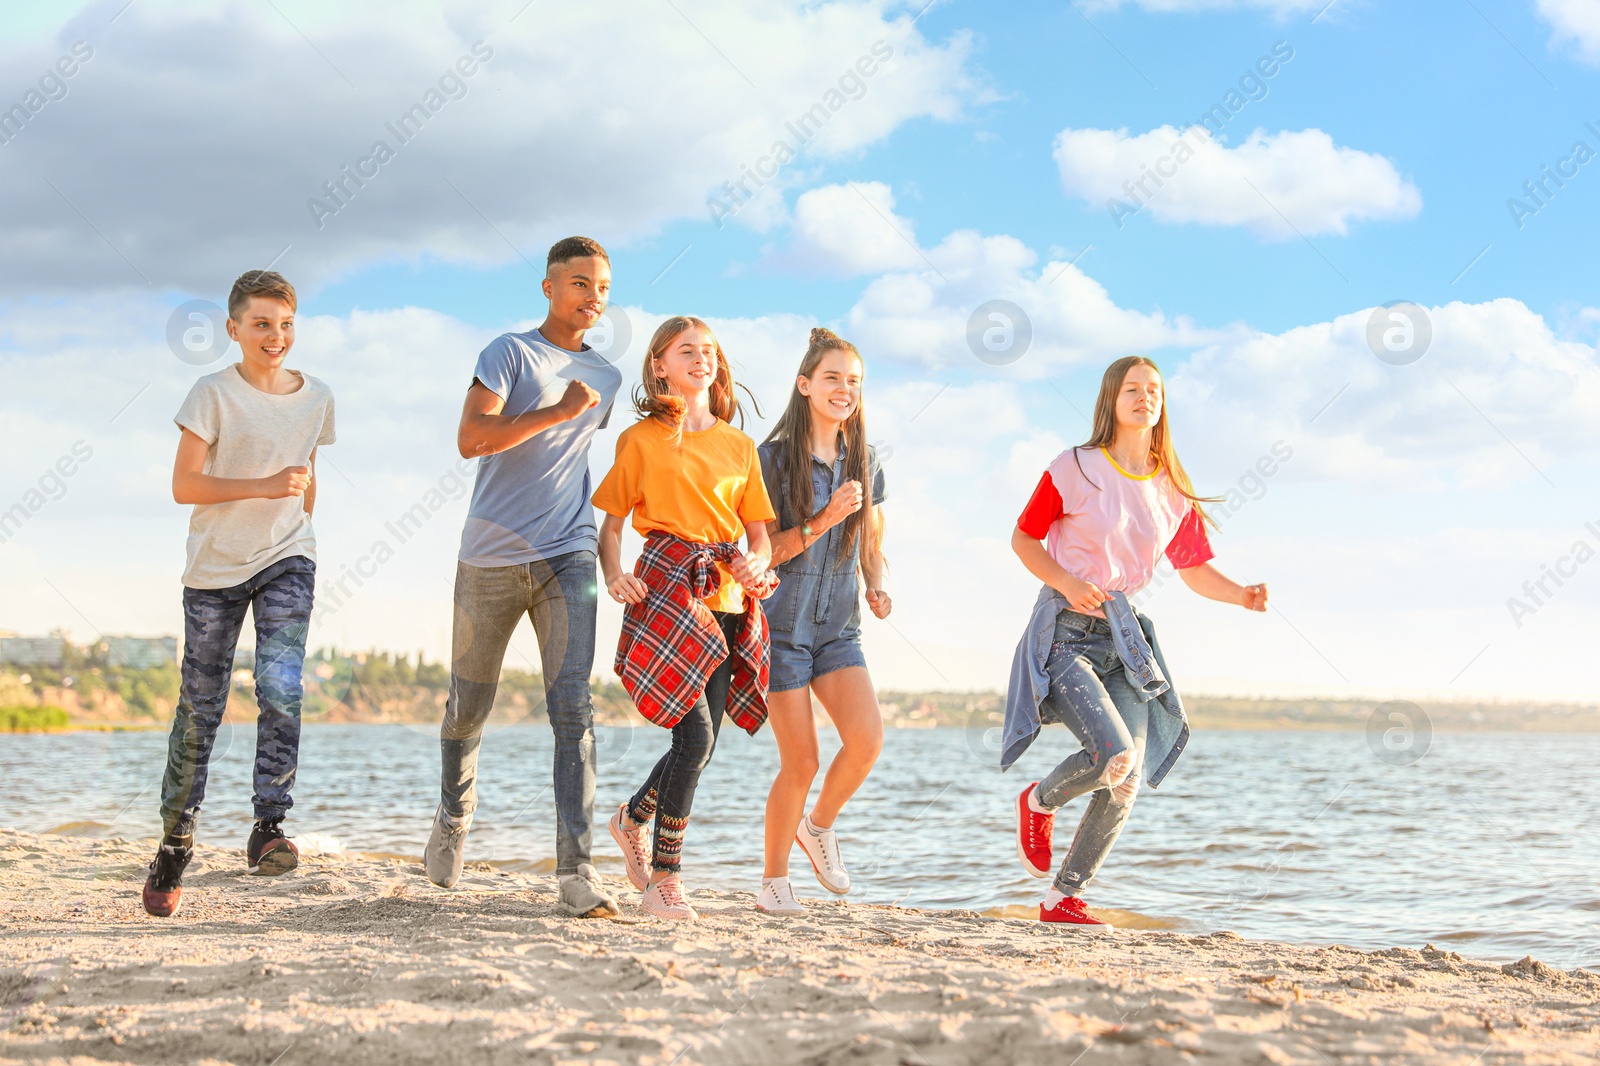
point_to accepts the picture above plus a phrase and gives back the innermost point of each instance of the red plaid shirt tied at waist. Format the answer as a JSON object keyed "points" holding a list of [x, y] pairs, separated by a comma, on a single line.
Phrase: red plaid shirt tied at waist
{"points": [[671, 643]]}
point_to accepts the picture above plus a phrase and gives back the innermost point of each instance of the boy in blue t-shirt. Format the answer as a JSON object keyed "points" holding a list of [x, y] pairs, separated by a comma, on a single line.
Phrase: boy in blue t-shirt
{"points": [[532, 410]]}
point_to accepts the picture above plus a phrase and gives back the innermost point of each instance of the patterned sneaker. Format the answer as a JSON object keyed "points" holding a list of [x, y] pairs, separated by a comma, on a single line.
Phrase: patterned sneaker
{"points": [[822, 848], [270, 853], [1072, 911], [447, 843], [635, 852], [665, 899], [1033, 835], [163, 889], [776, 897]]}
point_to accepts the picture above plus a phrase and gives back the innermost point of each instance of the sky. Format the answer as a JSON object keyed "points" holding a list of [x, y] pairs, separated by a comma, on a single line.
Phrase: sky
{"points": [[1357, 237]]}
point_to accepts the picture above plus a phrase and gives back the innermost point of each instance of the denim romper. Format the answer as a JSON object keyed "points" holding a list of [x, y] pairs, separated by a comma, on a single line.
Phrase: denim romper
{"points": [[815, 615]]}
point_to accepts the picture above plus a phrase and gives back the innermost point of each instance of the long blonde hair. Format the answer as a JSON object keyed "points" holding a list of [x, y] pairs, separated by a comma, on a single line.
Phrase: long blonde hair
{"points": [[793, 432], [652, 396], [1162, 451]]}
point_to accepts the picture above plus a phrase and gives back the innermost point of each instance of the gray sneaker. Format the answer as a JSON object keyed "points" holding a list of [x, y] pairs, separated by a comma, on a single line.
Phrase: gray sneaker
{"points": [[442, 857], [584, 895]]}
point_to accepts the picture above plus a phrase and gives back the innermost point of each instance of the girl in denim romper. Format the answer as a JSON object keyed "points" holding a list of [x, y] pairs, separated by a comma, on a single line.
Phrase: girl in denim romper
{"points": [[826, 484], [1108, 509]]}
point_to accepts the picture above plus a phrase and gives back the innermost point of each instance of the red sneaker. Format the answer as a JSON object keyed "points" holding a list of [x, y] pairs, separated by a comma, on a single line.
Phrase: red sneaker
{"points": [[1033, 835], [1072, 911]]}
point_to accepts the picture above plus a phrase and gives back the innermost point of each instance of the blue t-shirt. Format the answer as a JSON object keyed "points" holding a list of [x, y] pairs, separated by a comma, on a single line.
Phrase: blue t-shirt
{"points": [[532, 501]]}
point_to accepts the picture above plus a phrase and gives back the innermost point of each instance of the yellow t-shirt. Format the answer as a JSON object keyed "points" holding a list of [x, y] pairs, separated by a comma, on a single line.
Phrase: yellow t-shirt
{"points": [[704, 487]]}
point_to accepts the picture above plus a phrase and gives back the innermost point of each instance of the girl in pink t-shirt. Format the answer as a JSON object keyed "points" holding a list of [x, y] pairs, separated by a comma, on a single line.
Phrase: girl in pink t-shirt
{"points": [[1097, 523]]}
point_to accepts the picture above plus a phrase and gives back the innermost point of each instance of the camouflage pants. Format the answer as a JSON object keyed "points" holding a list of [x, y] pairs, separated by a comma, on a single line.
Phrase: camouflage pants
{"points": [[280, 598]]}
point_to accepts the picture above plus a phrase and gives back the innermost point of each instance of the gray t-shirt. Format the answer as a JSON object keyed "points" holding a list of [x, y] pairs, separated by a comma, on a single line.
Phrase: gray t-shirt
{"points": [[251, 434], [532, 501]]}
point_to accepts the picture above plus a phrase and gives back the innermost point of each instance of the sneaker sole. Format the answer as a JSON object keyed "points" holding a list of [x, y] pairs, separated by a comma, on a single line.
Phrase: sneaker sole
{"points": [[1080, 926], [276, 861], [622, 843], [1022, 852], [780, 914], [159, 910], [798, 839]]}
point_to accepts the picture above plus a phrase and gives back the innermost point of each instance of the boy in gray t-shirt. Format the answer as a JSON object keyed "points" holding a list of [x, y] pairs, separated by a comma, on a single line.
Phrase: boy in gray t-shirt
{"points": [[534, 405], [246, 460]]}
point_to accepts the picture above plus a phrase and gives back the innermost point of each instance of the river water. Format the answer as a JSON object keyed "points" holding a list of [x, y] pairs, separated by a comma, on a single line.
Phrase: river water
{"points": [[1489, 844]]}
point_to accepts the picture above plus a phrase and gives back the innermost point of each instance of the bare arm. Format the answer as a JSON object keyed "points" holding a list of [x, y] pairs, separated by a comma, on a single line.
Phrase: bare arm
{"points": [[620, 585], [748, 568], [878, 601], [1211, 583], [788, 543], [1081, 595], [191, 486], [485, 431], [311, 486]]}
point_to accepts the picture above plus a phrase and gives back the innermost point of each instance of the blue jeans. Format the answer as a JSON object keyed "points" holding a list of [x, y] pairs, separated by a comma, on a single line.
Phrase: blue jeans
{"points": [[280, 598], [1090, 695], [558, 596]]}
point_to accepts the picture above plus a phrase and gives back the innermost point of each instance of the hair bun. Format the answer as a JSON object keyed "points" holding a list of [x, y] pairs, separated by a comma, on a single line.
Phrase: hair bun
{"points": [[820, 334]]}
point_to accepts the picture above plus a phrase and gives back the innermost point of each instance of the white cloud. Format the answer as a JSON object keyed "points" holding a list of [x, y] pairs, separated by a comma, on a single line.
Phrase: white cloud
{"points": [[1496, 400], [923, 315], [1279, 185], [1576, 22], [207, 167], [849, 229]]}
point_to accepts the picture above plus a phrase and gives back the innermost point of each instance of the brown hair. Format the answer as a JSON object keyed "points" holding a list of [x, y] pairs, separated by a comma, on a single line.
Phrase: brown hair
{"points": [[1162, 451], [652, 397], [568, 248], [267, 283], [793, 432]]}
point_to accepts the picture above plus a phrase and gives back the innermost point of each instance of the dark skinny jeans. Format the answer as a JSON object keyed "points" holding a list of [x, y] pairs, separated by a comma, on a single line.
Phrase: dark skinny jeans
{"points": [[668, 792]]}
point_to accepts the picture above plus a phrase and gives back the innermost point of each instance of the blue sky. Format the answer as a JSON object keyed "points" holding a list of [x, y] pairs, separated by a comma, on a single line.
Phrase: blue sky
{"points": [[975, 165]]}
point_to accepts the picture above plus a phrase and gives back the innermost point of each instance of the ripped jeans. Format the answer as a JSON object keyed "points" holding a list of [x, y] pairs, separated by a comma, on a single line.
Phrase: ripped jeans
{"points": [[1090, 695]]}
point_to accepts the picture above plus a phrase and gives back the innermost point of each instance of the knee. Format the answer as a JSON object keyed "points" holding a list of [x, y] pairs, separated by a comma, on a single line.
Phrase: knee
{"points": [[800, 767], [863, 750], [694, 748], [1117, 765], [1124, 793]]}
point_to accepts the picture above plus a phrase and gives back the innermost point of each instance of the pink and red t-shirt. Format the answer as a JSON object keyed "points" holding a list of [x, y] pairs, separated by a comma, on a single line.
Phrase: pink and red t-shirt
{"points": [[1108, 527]]}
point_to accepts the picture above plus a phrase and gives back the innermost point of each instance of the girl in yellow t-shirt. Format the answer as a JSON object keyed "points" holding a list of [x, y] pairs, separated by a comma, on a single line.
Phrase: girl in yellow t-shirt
{"points": [[694, 641]]}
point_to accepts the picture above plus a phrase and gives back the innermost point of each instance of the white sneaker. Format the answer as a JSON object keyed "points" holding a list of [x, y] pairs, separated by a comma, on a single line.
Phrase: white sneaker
{"points": [[635, 852], [665, 899], [822, 848], [776, 897]]}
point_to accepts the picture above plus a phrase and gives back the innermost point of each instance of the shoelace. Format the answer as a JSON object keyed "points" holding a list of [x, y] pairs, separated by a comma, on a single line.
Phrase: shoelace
{"points": [[671, 892], [782, 894], [636, 845], [1039, 829]]}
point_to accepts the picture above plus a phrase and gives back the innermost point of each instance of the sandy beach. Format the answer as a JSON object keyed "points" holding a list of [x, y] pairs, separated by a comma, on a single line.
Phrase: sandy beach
{"points": [[357, 960]]}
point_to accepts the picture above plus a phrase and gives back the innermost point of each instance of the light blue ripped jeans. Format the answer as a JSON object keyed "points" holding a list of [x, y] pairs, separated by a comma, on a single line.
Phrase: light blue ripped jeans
{"points": [[1090, 695]]}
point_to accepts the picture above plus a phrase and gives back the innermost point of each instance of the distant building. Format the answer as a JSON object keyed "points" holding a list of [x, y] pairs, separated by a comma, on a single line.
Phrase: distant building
{"points": [[33, 651], [142, 653]]}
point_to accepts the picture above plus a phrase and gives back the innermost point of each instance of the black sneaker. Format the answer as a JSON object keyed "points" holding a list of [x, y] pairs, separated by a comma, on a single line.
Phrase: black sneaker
{"points": [[269, 852], [163, 889]]}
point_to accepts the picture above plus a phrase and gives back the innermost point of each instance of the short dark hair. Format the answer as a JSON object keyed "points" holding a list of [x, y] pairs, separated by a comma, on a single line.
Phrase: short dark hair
{"points": [[266, 283], [568, 248]]}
